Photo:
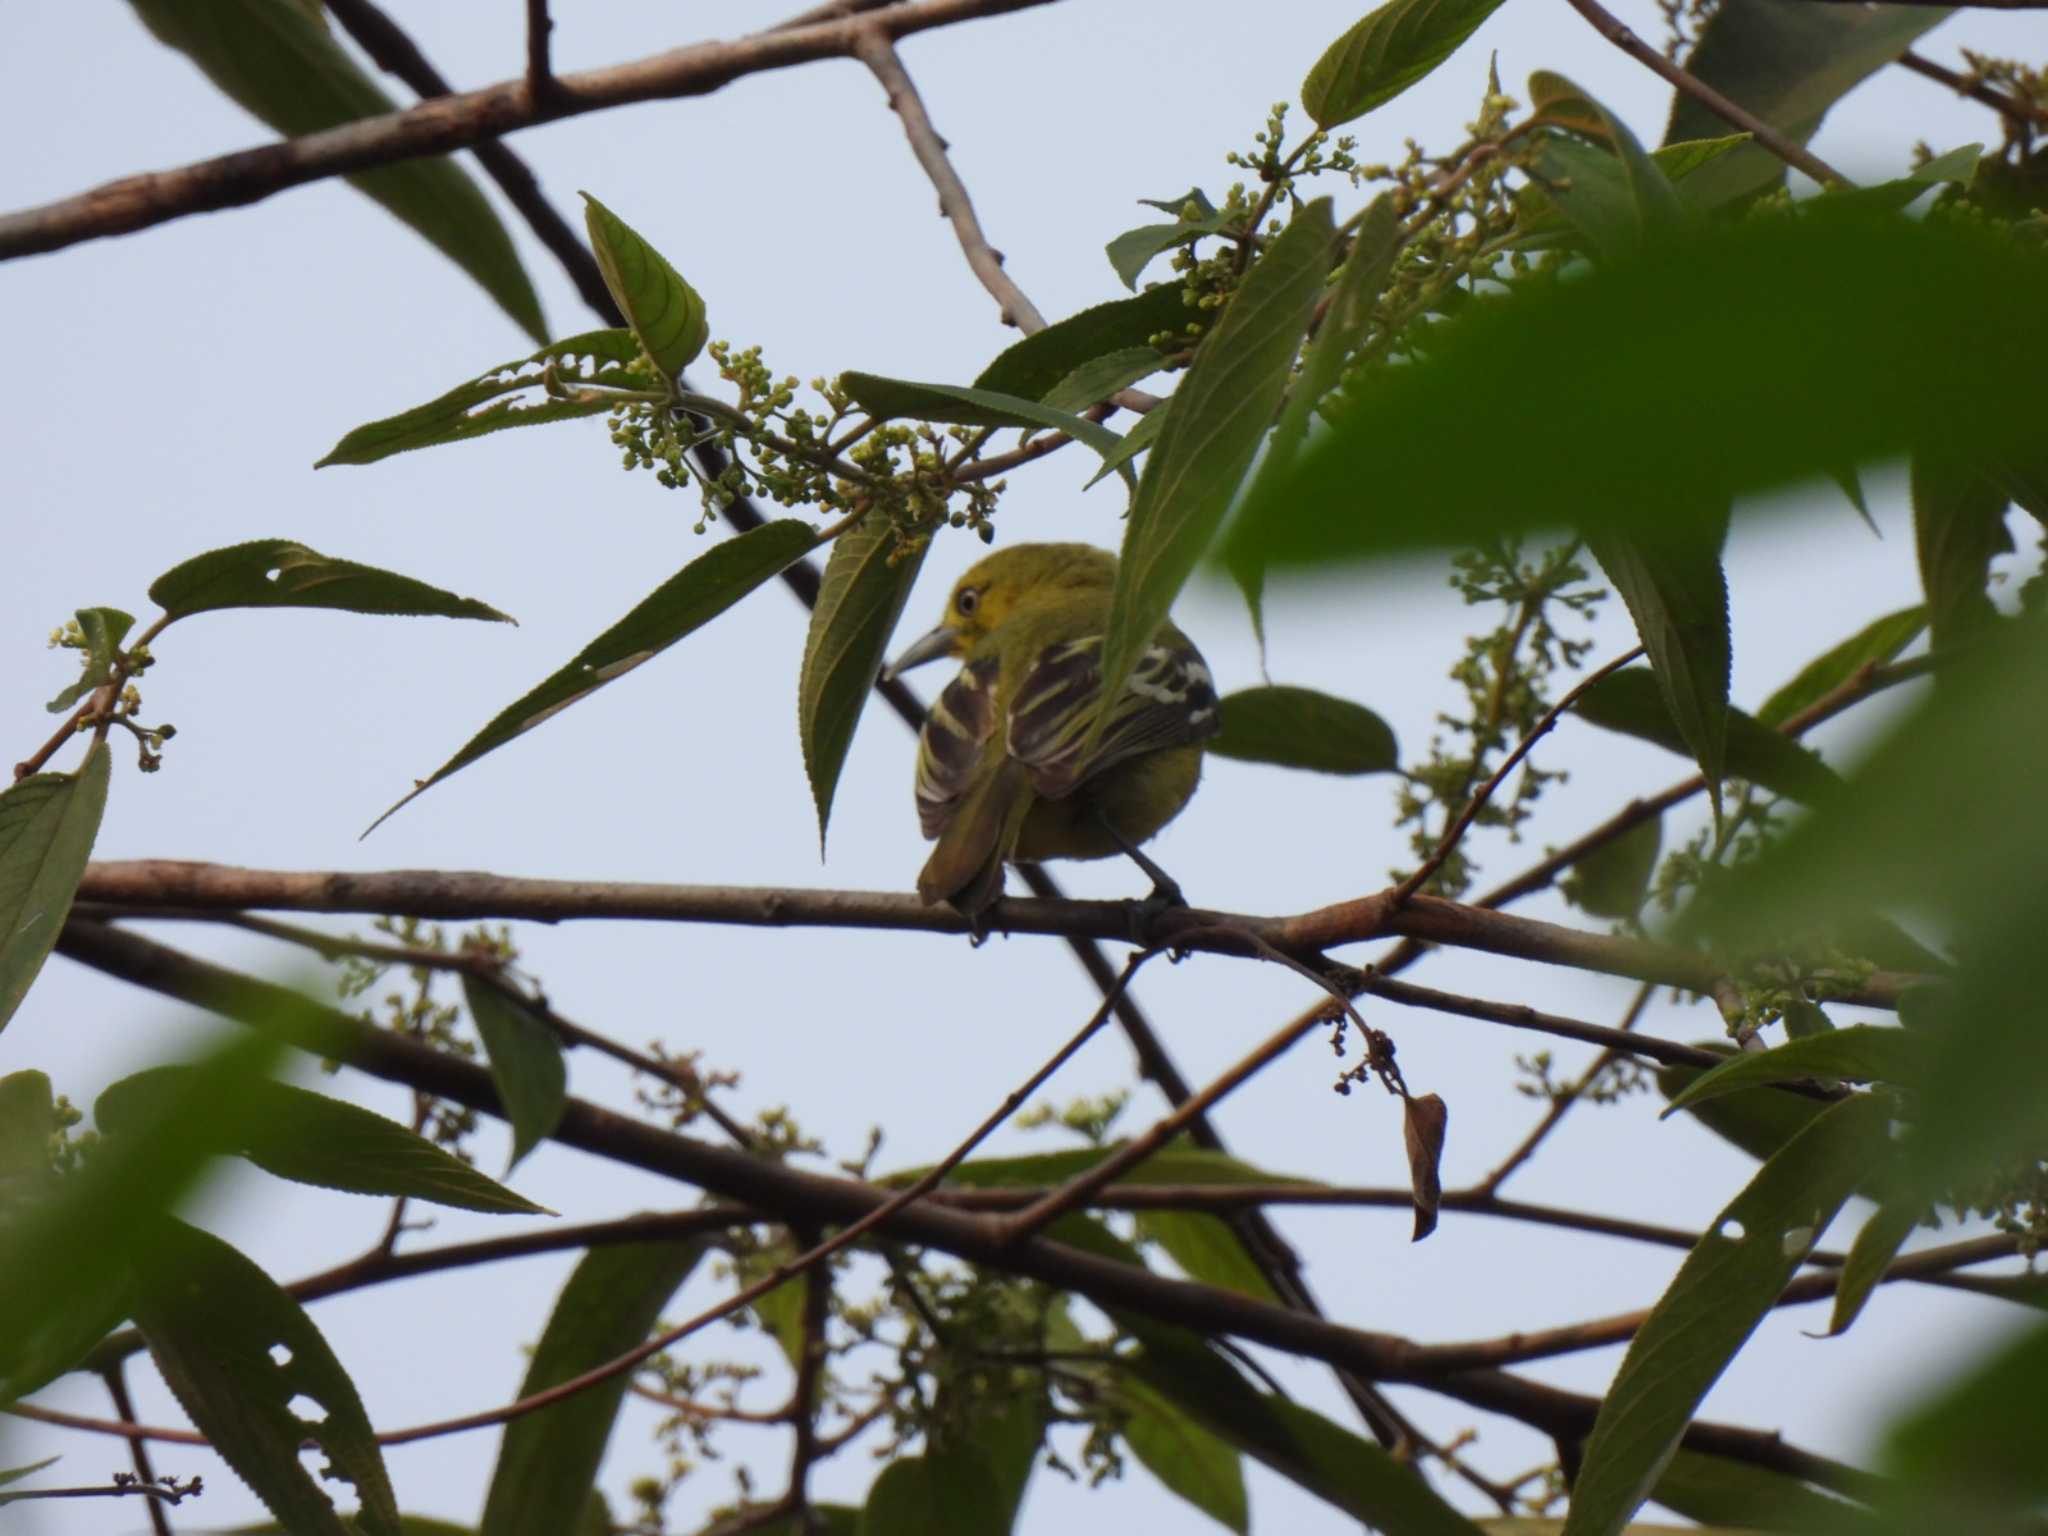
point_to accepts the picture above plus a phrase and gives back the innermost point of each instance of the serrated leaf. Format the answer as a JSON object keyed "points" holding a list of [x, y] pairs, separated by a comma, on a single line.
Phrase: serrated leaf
{"points": [[103, 629], [1031, 367], [1206, 1249], [1873, 645], [687, 601], [664, 311], [1381, 56], [1788, 64], [278, 573], [526, 1064], [1876, 1245], [275, 60], [1676, 592], [1776, 316], [1190, 1461], [867, 581], [1100, 377], [216, 1326], [312, 1139], [1302, 728], [1723, 1289], [47, 825], [1348, 1472], [1630, 702], [549, 1460], [585, 367], [1650, 209], [1863, 1053], [1614, 879], [1958, 528], [888, 399], [1221, 412]]}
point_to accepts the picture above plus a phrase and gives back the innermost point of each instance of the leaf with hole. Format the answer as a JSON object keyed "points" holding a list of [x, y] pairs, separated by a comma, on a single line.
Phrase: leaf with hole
{"points": [[278, 573], [277, 60], [687, 601], [47, 825]]}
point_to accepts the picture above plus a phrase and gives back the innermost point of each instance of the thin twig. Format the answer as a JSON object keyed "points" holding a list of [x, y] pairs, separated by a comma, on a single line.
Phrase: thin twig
{"points": [[116, 1378], [1611, 27], [2026, 113]]}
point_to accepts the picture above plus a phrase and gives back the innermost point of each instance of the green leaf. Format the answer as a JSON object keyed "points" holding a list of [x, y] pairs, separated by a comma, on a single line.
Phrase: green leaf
{"points": [[1872, 646], [1787, 64], [1132, 251], [867, 581], [1097, 379], [67, 1257], [1958, 528], [687, 601], [1381, 56], [1760, 1123], [1198, 1466], [1776, 316], [1614, 879], [663, 310], [1221, 412], [1031, 367], [276, 60], [1174, 1164], [1737, 1495], [548, 1462], [1876, 1245], [1132, 443], [103, 629], [1976, 1446], [1207, 1250], [28, 1122], [1348, 1472], [526, 1064], [1721, 1292], [781, 1312], [1958, 166], [887, 399], [277, 573], [970, 1479], [16, 1474], [217, 1327], [586, 369], [1650, 210], [1629, 702], [1301, 728], [1863, 1053], [312, 1139], [47, 825]]}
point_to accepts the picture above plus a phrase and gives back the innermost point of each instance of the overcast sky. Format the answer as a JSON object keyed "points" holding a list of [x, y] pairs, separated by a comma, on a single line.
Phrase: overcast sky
{"points": [[168, 392]]}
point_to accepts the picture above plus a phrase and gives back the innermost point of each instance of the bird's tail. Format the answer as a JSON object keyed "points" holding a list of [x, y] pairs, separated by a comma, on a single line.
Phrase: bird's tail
{"points": [[966, 868]]}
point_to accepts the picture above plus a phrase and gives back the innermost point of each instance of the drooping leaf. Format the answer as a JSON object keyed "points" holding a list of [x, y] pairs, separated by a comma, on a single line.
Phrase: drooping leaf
{"points": [[1958, 528], [1862, 1053], [1787, 64], [1302, 728], [1190, 1461], [549, 1460], [238, 1353], [687, 601], [1777, 316], [1709, 1310], [867, 581], [1194, 216], [1677, 594], [47, 825], [526, 1064], [274, 59], [310, 1138], [1876, 1245], [103, 629], [886, 399], [68, 1250], [1872, 646], [1614, 879], [1424, 1117], [1381, 56], [585, 368], [1630, 703], [1032, 366], [1221, 411], [1206, 1249], [278, 573], [663, 310]]}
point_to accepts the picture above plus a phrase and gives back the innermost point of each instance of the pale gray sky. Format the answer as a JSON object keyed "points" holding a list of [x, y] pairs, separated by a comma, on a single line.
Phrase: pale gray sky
{"points": [[169, 391]]}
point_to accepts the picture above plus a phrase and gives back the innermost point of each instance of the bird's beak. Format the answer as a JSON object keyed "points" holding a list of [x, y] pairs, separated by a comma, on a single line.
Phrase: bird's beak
{"points": [[930, 647]]}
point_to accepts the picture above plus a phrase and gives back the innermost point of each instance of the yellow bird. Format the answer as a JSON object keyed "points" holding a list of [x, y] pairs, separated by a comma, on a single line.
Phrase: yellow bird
{"points": [[1005, 770]]}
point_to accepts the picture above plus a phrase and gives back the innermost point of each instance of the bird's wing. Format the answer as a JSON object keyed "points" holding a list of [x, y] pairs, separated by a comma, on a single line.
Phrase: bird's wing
{"points": [[1169, 701], [956, 734]]}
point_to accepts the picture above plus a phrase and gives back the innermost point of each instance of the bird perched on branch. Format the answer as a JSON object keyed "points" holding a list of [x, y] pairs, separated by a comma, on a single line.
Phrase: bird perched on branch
{"points": [[1005, 767]]}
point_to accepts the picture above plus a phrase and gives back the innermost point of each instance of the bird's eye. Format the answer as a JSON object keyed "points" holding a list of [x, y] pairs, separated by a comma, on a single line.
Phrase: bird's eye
{"points": [[967, 602]]}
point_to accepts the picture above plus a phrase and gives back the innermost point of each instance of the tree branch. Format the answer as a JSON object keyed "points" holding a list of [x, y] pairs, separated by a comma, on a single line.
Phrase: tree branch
{"points": [[2022, 112], [453, 122]]}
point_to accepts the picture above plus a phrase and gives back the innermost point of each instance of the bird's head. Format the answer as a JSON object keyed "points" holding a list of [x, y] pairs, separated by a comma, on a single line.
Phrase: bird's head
{"points": [[994, 589]]}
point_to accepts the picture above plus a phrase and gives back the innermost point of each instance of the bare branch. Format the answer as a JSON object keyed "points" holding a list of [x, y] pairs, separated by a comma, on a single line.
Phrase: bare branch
{"points": [[540, 73], [453, 122], [2022, 112]]}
